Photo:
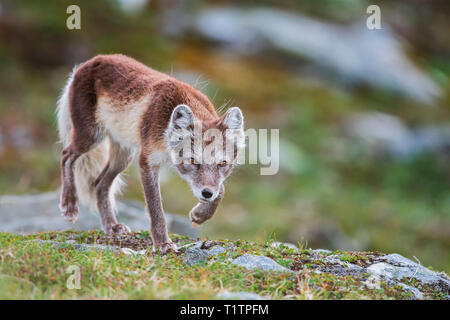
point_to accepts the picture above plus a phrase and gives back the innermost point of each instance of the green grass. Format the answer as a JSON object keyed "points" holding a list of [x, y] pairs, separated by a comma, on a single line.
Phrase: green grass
{"points": [[32, 270]]}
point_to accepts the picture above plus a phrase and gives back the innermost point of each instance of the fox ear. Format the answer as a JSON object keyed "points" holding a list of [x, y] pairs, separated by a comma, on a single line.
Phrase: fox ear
{"points": [[182, 117], [234, 123], [234, 118], [179, 126]]}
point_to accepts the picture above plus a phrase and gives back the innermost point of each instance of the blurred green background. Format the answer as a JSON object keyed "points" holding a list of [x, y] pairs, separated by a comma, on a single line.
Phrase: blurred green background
{"points": [[363, 114]]}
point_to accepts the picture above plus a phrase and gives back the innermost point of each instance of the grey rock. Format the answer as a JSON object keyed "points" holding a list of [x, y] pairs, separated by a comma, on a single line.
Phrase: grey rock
{"points": [[382, 134], [340, 267], [335, 260], [216, 250], [196, 244], [194, 255], [39, 212], [207, 244], [131, 252], [322, 251], [374, 282], [230, 246], [258, 262], [342, 271], [278, 245], [406, 268], [398, 260], [242, 295], [415, 292], [351, 52]]}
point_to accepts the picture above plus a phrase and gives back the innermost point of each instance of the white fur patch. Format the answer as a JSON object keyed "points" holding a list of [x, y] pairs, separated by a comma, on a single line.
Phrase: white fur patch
{"points": [[64, 123], [122, 122], [158, 158]]}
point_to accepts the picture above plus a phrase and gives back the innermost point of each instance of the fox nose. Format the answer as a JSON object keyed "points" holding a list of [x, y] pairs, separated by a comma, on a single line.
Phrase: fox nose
{"points": [[206, 193]]}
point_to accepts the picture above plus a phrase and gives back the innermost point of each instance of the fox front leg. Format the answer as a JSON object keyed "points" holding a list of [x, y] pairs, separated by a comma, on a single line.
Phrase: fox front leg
{"points": [[158, 225], [205, 210]]}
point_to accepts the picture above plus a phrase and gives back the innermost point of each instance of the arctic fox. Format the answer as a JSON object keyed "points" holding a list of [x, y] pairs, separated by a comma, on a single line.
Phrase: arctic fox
{"points": [[113, 108]]}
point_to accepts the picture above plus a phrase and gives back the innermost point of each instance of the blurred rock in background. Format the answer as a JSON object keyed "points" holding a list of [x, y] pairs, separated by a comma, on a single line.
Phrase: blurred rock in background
{"points": [[386, 134], [354, 54], [39, 212]]}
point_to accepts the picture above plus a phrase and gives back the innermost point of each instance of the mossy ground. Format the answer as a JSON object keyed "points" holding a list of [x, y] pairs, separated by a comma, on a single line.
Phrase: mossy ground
{"points": [[32, 270]]}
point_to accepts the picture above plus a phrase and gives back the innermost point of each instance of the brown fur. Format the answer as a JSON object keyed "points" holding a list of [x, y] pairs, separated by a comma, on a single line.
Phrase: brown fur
{"points": [[124, 79], [123, 84]]}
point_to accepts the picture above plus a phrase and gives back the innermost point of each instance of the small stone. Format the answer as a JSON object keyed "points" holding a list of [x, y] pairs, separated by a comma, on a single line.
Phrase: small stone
{"points": [[96, 247], [207, 244], [335, 260], [131, 252], [196, 244], [277, 245], [194, 255], [128, 273], [216, 250], [322, 251], [338, 267], [258, 262]]}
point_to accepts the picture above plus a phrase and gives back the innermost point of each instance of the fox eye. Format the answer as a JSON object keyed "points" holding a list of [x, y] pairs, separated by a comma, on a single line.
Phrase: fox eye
{"points": [[194, 162], [221, 164]]}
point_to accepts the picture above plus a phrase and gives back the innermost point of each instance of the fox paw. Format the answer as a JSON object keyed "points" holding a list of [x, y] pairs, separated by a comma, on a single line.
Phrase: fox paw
{"points": [[69, 210], [199, 214], [119, 229], [164, 248]]}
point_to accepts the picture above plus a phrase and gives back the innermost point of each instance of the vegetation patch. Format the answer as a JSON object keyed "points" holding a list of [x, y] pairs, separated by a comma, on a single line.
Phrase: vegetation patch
{"points": [[40, 270]]}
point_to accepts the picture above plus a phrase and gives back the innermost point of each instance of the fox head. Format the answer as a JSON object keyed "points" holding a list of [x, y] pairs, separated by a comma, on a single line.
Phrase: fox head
{"points": [[205, 152]]}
